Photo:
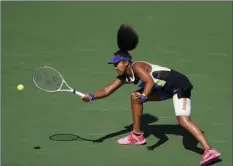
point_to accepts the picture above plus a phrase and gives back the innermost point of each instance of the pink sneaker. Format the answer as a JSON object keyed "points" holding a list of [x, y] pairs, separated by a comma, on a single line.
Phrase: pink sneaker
{"points": [[210, 156], [132, 139]]}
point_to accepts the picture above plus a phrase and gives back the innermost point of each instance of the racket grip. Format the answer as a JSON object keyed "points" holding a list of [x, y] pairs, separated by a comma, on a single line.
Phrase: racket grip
{"points": [[78, 93]]}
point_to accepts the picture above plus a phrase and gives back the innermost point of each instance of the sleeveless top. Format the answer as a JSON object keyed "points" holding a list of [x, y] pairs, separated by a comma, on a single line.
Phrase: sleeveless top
{"points": [[165, 79]]}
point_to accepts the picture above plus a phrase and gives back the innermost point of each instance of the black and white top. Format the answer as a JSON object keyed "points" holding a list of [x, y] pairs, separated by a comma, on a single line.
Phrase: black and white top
{"points": [[165, 79]]}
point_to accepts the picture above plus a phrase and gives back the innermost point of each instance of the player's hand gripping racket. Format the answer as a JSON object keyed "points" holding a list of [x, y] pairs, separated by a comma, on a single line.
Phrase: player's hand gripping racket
{"points": [[50, 80]]}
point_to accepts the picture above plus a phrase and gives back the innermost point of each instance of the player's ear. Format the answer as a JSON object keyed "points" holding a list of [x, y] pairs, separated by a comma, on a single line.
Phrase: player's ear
{"points": [[126, 63]]}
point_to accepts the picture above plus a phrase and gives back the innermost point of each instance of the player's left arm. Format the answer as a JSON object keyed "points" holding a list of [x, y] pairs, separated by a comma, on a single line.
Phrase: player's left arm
{"points": [[141, 72]]}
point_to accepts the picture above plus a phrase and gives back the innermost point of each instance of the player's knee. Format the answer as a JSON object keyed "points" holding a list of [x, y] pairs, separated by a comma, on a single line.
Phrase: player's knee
{"points": [[183, 121], [133, 96]]}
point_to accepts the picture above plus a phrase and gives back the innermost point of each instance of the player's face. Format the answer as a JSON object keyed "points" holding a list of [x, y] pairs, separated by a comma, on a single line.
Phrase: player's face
{"points": [[121, 67]]}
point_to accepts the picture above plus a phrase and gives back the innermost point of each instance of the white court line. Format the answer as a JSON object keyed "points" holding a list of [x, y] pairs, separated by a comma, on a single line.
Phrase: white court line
{"points": [[164, 117], [220, 125], [220, 141], [95, 73], [220, 54], [95, 109], [87, 50], [104, 109], [185, 60], [198, 75], [102, 134]]}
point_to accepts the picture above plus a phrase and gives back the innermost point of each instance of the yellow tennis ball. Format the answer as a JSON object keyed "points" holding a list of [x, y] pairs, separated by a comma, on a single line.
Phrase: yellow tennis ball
{"points": [[20, 87]]}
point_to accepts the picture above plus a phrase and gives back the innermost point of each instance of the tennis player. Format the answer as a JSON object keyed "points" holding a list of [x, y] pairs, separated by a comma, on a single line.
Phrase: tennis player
{"points": [[156, 83]]}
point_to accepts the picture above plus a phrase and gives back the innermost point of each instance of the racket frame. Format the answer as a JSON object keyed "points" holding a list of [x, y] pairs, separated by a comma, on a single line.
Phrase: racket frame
{"points": [[76, 92]]}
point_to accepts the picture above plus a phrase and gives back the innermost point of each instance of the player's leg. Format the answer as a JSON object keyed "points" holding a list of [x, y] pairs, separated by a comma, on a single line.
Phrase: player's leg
{"points": [[136, 136], [137, 111], [188, 124], [182, 105], [137, 108]]}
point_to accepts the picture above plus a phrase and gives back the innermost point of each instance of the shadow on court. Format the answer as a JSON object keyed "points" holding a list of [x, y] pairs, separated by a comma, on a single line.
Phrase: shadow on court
{"points": [[160, 132], [68, 137], [217, 161]]}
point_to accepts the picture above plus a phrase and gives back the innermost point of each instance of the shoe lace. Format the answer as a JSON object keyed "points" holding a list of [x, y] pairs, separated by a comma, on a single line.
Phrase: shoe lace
{"points": [[131, 138], [206, 154]]}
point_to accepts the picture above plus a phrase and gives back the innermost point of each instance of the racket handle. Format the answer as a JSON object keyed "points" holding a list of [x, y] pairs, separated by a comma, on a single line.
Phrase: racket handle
{"points": [[78, 93]]}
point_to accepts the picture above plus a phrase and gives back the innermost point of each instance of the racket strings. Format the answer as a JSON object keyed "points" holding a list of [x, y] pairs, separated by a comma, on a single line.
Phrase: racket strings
{"points": [[48, 79]]}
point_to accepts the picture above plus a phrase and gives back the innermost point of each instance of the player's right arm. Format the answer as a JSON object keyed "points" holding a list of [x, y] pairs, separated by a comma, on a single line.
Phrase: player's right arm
{"points": [[104, 92]]}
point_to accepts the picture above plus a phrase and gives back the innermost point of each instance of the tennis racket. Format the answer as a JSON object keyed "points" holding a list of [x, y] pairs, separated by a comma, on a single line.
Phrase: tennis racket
{"points": [[50, 80]]}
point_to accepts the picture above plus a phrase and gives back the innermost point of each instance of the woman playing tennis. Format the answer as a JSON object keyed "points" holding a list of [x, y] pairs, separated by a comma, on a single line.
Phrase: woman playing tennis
{"points": [[156, 83]]}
